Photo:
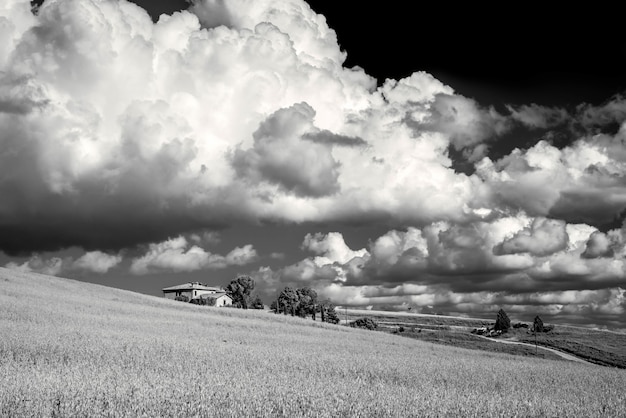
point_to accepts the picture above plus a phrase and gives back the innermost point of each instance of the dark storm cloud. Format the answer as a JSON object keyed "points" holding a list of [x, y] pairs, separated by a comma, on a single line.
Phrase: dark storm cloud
{"points": [[601, 245], [110, 224], [595, 118], [594, 207], [537, 116], [280, 156], [326, 137]]}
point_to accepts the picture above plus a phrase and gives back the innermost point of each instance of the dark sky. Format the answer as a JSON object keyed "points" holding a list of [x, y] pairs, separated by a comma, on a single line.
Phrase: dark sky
{"points": [[529, 53]]}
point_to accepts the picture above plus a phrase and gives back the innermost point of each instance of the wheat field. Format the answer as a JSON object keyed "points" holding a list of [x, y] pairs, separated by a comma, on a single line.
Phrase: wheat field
{"points": [[69, 348]]}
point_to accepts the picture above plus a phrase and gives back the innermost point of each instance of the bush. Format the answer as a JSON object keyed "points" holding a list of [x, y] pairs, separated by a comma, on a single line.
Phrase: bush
{"points": [[401, 329], [182, 298], [366, 323]]}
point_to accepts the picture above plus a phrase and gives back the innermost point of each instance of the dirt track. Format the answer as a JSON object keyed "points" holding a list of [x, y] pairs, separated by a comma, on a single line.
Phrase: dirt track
{"points": [[566, 356]]}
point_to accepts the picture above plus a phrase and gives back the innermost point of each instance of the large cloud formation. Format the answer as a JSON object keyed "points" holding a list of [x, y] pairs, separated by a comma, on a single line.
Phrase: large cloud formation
{"points": [[116, 131], [513, 262], [229, 111]]}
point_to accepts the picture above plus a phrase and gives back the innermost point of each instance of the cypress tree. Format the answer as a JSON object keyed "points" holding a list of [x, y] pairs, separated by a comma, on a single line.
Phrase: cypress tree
{"points": [[503, 323]]}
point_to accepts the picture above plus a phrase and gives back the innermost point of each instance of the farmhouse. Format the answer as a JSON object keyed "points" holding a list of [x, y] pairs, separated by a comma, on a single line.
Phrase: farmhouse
{"points": [[196, 291]]}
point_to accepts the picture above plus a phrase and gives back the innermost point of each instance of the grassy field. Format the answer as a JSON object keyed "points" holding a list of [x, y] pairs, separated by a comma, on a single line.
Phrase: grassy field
{"points": [[416, 320], [474, 342], [601, 347], [76, 349]]}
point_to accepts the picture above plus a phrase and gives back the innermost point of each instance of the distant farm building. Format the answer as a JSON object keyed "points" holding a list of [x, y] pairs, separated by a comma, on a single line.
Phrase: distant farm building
{"points": [[195, 291]]}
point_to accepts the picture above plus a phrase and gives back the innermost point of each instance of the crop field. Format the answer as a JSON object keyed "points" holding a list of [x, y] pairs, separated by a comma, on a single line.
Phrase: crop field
{"points": [[75, 349]]}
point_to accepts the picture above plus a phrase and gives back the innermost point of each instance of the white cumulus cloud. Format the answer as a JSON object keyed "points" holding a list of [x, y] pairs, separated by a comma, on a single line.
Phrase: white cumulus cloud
{"points": [[97, 261], [177, 255]]}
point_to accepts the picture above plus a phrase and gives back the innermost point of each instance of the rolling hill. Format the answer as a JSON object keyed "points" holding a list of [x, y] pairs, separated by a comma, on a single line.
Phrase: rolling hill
{"points": [[70, 348]]}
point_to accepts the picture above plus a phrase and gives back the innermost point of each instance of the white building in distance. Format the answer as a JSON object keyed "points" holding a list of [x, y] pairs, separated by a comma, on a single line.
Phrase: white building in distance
{"points": [[195, 291]]}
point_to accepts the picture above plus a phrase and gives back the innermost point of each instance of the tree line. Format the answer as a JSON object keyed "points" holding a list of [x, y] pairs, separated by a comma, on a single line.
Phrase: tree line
{"points": [[300, 302], [303, 302]]}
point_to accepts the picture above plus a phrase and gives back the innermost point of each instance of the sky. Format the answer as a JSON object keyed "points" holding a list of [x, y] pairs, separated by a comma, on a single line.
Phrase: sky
{"points": [[444, 161]]}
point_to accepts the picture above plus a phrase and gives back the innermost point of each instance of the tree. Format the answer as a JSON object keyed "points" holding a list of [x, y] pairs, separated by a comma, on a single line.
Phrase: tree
{"points": [[255, 302], [288, 301], [327, 312], [307, 302], [239, 290], [503, 323], [300, 302], [274, 307], [538, 324]]}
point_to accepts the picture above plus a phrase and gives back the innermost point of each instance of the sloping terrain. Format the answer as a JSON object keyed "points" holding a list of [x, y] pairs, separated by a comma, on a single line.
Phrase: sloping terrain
{"points": [[603, 347], [74, 349]]}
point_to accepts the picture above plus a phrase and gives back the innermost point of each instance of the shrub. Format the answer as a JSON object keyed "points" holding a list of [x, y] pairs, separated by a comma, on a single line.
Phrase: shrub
{"points": [[182, 298], [367, 323]]}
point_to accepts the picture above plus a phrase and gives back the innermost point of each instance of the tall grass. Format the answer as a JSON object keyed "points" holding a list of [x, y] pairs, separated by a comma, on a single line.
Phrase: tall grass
{"points": [[74, 349]]}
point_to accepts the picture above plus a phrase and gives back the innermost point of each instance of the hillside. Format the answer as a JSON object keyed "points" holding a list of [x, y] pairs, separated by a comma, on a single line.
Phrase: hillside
{"points": [[74, 349], [603, 347]]}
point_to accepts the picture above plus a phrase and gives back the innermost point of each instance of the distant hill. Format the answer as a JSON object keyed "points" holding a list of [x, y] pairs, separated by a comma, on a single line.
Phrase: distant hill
{"points": [[603, 347], [70, 348]]}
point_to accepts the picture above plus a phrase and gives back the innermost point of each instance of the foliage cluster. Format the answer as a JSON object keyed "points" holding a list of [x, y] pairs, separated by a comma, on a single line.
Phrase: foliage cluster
{"points": [[302, 302], [204, 301], [367, 323], [239, 290]]}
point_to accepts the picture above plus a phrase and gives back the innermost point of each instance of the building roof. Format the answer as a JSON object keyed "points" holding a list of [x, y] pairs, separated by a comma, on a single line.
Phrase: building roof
{"points": [[191, 286]]}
